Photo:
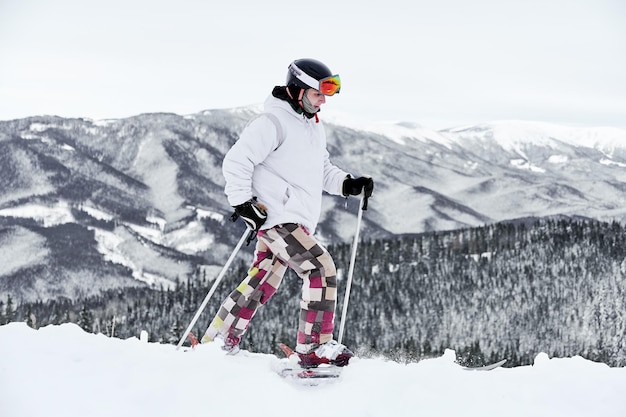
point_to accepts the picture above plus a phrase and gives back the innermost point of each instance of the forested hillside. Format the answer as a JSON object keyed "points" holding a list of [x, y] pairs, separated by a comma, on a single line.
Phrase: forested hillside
{"points": [[505, 290]]}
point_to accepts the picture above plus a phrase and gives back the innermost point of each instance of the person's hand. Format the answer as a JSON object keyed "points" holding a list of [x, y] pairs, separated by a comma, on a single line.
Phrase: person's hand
{"points": [[252, 213], [355, 186]]}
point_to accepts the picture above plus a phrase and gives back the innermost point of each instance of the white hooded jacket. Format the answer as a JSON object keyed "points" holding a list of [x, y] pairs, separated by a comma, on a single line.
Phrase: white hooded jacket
{"points": [[287, 174]]}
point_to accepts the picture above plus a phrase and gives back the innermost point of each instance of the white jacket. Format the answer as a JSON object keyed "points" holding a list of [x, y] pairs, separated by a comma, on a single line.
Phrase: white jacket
{"points": [[287, 176]]}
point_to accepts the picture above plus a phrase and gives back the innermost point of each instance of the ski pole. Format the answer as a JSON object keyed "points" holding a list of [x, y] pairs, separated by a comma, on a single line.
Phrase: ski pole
{"points": [[346, 298], [214, 287]]}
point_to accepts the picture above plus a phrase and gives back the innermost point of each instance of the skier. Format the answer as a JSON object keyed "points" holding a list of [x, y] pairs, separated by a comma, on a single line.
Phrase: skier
{"points": [[275, 174]]}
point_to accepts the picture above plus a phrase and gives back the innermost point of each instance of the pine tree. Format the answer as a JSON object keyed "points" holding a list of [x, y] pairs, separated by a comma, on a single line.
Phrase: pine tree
{"points": [[9, 311], [31, 320], [86, 319]]}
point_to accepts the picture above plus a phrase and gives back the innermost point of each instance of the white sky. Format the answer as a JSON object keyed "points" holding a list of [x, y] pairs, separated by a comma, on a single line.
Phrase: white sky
{"points": [[439, 63]]}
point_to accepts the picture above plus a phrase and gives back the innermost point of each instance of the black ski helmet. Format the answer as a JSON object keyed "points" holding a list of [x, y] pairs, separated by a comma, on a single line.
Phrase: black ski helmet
{"points": [[314, 71]]}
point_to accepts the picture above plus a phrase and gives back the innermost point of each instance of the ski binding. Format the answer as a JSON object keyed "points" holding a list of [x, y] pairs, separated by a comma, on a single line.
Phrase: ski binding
{"points": [[291, 369]]}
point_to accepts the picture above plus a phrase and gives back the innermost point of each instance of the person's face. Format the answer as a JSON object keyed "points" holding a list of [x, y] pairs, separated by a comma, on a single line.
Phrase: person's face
{"points": [[315, 97]]}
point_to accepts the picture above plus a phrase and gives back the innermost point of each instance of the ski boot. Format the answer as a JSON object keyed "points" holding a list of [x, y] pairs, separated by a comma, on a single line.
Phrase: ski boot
{"points": [[231, 344], [331, 353]]}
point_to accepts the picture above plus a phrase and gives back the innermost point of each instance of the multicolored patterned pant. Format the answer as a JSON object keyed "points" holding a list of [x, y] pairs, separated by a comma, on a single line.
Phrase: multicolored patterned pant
{"points": [[284, 245]]}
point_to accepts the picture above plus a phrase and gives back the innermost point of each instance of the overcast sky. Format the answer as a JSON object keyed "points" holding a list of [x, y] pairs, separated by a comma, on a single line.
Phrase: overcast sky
{"points": [[440, 63]]}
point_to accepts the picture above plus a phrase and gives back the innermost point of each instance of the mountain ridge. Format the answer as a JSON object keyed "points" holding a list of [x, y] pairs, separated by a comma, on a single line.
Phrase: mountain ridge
{"points": [[148, 189]]}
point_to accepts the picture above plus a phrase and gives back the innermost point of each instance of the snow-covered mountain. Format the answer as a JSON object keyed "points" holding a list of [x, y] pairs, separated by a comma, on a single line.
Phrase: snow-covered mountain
{"points": [[63, 371], [87, 205]]}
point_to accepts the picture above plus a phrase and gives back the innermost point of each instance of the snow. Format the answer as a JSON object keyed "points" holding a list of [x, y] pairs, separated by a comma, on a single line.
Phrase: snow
{"points": [[190, 239], [49, 215], [63, 371], [120, 248], [558, 159], [400, 132], [108, 246], [202, 213], [152, 157], [21, 249], [605, 161], [510, 134], [525, 165], [97, 213]]}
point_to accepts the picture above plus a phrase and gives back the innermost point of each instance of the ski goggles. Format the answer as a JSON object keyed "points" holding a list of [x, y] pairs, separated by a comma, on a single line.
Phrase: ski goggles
{"points": [[330, 85], [327, 86]]}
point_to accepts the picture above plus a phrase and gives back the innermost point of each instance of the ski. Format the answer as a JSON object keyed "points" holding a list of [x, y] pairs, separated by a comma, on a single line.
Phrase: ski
{"points": [[486, 367], [321, 372]]}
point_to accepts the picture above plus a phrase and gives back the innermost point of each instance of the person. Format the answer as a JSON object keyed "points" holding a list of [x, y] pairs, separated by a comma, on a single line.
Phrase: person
{"points": [[275, 174]]}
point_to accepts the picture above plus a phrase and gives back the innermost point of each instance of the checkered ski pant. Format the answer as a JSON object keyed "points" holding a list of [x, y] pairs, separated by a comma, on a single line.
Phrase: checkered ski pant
{"points": [[281, 246]]}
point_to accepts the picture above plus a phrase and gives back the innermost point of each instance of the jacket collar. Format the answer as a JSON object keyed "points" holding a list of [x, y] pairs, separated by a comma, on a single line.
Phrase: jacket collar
{"points": [[293, 96]]}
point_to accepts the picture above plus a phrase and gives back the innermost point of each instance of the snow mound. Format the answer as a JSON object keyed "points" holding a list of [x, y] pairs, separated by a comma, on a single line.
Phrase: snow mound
{"points": [[63, 371]]}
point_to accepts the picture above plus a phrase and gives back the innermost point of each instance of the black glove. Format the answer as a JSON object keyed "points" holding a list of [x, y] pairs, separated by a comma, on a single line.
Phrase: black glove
{"points": [[251, 212], [354, 186]]}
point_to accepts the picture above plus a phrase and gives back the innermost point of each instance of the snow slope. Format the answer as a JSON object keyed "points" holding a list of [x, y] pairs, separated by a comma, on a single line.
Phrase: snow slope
{"points": [[63, 371]]}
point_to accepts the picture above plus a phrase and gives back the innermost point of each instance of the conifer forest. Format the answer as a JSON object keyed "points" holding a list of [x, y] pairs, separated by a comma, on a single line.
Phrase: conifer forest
{"points": [[506, 290]]}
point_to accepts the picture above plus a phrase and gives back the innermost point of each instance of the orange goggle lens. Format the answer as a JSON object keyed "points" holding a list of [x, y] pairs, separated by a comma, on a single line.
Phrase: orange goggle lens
{"points": [[330, 85]]}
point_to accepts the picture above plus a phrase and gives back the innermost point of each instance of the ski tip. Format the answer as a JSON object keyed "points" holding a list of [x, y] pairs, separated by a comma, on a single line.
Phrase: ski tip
{"points": [[286, 350], [194, 340], [487, 367]]}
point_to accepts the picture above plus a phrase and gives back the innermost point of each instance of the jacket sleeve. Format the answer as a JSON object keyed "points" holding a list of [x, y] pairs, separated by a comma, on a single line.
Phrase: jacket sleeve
{"points": [[333, 177], [256, 142]]}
